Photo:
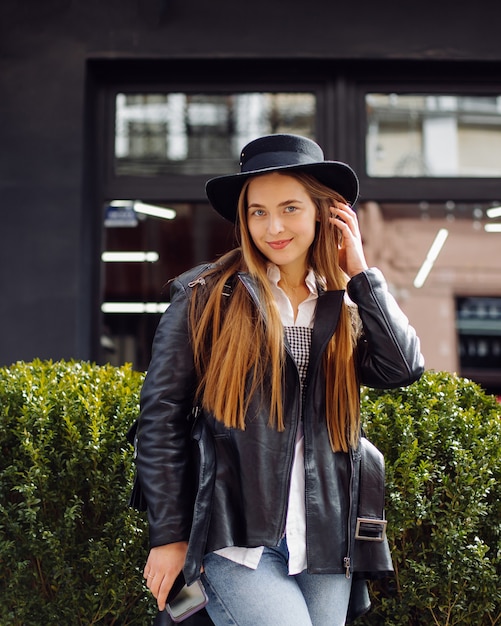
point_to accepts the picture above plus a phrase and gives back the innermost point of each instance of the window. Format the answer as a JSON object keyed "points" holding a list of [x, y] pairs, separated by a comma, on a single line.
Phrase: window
{"points": [[165, 145], [423, 135], [478, 322], [182, 133], [427, 153], [146, 245]]}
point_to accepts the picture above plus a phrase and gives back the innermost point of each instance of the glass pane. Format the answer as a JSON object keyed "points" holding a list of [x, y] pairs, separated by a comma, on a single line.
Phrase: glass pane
{"points": [[458, 334], [478, 323], [146, 245], [180, 133], [433, 135]]}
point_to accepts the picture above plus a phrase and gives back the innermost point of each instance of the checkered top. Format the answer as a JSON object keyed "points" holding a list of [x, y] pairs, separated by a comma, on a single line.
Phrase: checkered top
{"points": [[299, 339]]}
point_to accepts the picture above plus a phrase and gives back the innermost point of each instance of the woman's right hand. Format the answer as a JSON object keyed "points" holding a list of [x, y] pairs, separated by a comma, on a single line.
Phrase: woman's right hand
{"points": [[162, 568]]}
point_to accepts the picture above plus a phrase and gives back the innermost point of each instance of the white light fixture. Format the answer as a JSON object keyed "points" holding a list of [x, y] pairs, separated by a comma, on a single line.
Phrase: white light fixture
{"points": [[145, 209], [494, 211], [492, 228], [431, 257], [134, 307], [121, 203], [130, 257], [153, 210]]}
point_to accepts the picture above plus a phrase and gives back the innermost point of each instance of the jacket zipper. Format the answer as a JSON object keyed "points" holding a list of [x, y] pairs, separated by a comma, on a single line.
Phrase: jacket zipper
{"points": [[291, 460], [347, 558], [197, 281]]}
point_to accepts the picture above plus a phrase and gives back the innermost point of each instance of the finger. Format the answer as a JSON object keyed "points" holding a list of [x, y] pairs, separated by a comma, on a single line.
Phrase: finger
{"points": [[343, 207], [345, 212], [159, 587], [153, 583], [150, 582], [162, 594], [148, 568], [343, 223], [345, 220]]}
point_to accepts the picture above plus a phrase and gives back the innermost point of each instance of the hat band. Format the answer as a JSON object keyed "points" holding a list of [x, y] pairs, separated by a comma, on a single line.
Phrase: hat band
{"points": [[275, 159]]}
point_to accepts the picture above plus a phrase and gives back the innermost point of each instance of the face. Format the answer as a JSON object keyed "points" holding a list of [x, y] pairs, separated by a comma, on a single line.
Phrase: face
{"points": [[281, 219]]}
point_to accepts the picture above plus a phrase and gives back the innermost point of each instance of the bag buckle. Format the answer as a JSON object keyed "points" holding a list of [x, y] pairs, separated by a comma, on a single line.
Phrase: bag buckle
{"points": [[369, 529]]}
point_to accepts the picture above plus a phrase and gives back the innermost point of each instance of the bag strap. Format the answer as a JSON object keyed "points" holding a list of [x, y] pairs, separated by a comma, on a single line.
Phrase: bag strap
{"points": [[371, 523]]}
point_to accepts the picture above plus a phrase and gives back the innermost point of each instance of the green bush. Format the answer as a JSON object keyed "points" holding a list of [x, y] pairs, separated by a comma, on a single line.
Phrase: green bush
{"points": [[441, 438], [71, 550]]}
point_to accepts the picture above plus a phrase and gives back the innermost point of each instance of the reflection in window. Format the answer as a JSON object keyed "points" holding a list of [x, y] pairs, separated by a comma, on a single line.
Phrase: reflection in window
{"points": [[478, 323], [433, 135], [145, 246], [179, 133]]}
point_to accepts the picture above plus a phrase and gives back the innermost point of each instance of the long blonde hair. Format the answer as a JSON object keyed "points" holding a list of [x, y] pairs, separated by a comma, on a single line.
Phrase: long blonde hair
{"points": [[236, 345]]}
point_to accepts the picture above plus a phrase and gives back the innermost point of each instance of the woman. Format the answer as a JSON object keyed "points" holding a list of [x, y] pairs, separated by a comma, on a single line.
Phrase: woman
{"points": [[248, 446]]}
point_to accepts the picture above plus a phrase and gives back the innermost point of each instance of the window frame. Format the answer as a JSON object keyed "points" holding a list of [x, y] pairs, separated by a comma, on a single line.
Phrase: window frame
{"points": [[448, 81], [340, 87], [188, 187]]}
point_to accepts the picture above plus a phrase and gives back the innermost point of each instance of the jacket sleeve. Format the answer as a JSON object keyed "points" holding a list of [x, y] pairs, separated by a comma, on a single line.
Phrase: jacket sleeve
{"points": [[163, 462], [388, 351]]}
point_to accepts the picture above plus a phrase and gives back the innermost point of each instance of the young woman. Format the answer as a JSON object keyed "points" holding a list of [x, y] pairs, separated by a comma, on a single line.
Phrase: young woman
{"points": [[249, 451]]}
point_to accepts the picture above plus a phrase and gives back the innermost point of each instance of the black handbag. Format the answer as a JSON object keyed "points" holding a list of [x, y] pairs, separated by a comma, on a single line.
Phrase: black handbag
{"points": [[370, 532]]}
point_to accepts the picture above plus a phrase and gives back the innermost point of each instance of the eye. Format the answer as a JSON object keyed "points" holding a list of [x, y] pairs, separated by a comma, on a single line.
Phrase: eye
{"points": [[257, 212], [290, 209]]}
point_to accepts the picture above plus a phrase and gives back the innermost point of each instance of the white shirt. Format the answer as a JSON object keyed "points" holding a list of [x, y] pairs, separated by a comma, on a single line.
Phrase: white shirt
{"points": [[295, 526]]}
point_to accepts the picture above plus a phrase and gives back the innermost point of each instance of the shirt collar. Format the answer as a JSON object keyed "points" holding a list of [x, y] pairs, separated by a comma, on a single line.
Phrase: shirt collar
{"points": [[273, 272]]}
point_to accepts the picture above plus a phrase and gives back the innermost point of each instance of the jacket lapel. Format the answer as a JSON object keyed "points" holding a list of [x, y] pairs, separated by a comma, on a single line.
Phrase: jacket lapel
{"points": [[253, 290], [326, 321], [326, 317]]}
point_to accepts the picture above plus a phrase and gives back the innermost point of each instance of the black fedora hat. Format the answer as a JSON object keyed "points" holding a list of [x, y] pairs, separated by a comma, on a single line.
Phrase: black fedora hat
{"points": [[279, 152]]}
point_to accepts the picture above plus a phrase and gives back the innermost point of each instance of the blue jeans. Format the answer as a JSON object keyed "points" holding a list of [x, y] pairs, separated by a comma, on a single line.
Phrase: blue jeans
{"points": [[268, 596]]}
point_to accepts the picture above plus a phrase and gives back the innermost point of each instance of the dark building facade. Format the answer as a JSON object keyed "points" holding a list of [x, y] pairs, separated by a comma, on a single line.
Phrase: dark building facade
{"points": [[110, 106]]}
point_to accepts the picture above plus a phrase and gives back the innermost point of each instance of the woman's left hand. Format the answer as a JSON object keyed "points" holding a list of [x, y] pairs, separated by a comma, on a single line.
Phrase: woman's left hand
{"points": [[351, 252], [162, 568]]}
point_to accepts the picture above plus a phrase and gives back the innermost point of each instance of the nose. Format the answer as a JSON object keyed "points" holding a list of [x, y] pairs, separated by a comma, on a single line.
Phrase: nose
{"points": [[275, 224]]}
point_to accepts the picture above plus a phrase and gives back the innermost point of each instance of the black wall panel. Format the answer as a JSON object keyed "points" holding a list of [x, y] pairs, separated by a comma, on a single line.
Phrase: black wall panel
{"points": [[50, 55]]}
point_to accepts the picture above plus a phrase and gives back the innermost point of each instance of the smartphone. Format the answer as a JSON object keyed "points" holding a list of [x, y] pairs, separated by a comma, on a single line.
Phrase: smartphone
{"points": [[189, 600]]}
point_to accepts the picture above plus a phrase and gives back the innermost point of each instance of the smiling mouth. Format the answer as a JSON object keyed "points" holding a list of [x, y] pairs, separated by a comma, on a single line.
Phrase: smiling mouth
{"points": [[278, 245]]}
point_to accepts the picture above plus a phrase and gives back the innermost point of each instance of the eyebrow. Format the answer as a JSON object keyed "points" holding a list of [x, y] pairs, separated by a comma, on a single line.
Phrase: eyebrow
{"points": [[256, 205]]}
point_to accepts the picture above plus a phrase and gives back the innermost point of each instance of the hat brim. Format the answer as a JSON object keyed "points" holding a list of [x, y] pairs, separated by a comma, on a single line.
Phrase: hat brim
{"points": [[223, 191]]}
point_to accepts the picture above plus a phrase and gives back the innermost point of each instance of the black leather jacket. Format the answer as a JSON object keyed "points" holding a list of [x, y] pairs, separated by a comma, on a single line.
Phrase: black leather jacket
{"points": [[219, 487]]}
